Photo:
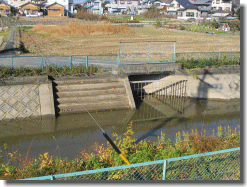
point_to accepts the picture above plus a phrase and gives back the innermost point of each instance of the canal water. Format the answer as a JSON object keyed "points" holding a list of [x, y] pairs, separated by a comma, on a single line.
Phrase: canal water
{"points": [[69, 134]]}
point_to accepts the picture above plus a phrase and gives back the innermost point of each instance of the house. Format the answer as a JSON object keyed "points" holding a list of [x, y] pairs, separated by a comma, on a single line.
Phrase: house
{"points": [[123, 6], [144, 5], [6, 9], [225, 5], [184, 9], [29, 9], [55, 9], [67, 4], [17, 3], [94, 7], [204, 7]]}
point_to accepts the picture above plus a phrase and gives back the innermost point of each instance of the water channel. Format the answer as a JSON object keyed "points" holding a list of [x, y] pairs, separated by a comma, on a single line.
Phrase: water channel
{"points": [[69, 134]]}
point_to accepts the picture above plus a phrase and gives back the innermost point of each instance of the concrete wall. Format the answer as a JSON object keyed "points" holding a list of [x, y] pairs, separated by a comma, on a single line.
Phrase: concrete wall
{"points": [[136, 69], [26, 97], [204, 86]]}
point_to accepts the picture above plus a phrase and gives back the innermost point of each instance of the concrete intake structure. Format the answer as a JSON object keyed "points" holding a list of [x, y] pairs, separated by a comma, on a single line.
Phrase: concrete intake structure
{"points": [[204, 85]]}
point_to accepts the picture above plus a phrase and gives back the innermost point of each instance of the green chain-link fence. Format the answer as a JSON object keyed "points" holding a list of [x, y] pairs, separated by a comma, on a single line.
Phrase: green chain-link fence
{"points": [[217, 165]]}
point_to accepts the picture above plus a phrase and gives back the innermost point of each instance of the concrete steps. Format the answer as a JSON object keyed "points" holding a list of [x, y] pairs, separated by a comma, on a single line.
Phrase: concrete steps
{"points": [[99, 106], [94, 94], [85, 93]]}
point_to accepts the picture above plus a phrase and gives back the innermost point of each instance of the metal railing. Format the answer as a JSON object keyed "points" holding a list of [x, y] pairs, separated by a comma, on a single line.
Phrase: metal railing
{"points": [[217, 165], [103, 61], [159, 88], [147, 52]]}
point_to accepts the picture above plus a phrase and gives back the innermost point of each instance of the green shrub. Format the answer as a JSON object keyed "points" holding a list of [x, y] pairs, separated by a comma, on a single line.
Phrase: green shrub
{"points": [[158, 23], [215, 24], [185, 144], [210, 62], [47, 70], [182, 27]]}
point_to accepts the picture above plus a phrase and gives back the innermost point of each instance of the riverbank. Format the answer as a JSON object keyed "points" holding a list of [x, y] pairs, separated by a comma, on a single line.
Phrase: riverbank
{"points": [[186, 143]]}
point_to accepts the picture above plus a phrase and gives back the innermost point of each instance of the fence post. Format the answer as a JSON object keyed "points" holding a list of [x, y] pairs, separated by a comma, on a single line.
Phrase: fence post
{"points": [[52, 177], [119, 56], [174, 52], [42, 62], [70, 61], [164, 170], [148, 51], [118, 60], [12, 60], [87, 61]]}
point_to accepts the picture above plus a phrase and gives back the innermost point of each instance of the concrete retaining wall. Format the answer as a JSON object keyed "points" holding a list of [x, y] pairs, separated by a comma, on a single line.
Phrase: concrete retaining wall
{"points": [[26, 97], [135, 69], [204, 84]]}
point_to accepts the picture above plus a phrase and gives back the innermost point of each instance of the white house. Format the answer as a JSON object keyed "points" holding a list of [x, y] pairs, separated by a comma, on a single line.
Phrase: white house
{"points": [[184, 9], [225, 5], [123, 6], [68, 5], [94, 7]]}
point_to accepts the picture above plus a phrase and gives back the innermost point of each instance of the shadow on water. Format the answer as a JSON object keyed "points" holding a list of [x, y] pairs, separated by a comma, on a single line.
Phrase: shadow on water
{"points": [[200, 107]]}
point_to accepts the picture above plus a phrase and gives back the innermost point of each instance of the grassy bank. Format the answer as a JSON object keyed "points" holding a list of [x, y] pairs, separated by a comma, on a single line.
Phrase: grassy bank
{"points": [[210, 62], [47, 70], [186, 143]]}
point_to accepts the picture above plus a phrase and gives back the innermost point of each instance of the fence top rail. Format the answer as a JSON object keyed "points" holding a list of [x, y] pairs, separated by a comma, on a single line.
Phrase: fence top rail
{"points": [[20, 56], [210, 52], [132, 165], [147, 41]]}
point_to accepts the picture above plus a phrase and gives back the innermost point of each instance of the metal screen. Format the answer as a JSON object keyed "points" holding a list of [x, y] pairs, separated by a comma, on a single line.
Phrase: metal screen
{"points": [[147, 52]]}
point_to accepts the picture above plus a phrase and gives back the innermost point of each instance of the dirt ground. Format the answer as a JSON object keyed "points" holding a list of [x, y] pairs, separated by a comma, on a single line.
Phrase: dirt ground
{"points": [[106, 44]]}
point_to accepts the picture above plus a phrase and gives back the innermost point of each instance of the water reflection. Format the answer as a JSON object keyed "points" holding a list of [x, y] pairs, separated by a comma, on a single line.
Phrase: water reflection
{"points": [[69, 134]]}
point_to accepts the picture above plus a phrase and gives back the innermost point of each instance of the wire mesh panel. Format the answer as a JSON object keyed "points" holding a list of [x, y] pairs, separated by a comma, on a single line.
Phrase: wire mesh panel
{"points": [[148, 172], [162, 52], [224, 166], [27, 61], [58, 60], [6, 61], [78, 59], [147, 52], [217, 165], [102, 61]]}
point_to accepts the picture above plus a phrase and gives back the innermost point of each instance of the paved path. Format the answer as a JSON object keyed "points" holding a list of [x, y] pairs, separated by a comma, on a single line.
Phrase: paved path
{"points": [[9, 48]]}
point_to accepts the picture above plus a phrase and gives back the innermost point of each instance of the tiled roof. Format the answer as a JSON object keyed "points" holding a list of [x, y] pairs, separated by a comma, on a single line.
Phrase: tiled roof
{"points": [[186, 4]]}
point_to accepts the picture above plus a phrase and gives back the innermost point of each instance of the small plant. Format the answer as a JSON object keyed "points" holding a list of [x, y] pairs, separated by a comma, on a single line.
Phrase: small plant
{"points": [[158, 23], [182, 27]]}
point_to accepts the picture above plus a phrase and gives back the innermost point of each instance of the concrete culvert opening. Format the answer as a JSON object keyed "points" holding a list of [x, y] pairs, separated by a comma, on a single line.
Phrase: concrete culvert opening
{"points": [[137, 82]]}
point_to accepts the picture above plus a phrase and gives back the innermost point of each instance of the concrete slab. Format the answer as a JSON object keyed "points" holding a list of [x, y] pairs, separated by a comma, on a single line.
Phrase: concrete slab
{"points": [[46, 100]]}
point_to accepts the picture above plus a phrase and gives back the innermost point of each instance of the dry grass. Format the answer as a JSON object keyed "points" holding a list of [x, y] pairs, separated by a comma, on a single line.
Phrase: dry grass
{"points": [[81, 29], [109, 44]]}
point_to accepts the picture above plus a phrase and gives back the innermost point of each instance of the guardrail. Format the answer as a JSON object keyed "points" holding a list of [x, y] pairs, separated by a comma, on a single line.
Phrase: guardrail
{"points": [[217, 165]]}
